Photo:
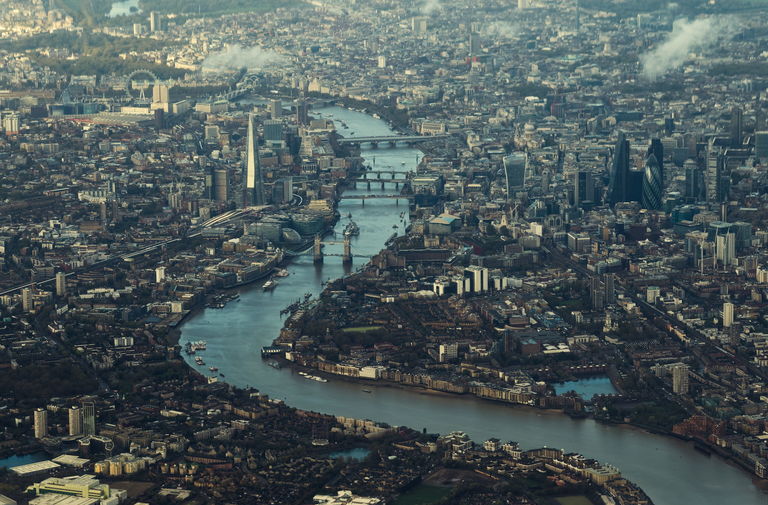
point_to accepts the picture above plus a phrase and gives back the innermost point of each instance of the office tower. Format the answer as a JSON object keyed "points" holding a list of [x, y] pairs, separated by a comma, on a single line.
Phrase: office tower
{"points": [[617, 190], [761, 145], [275, 108], [302, 112], [610, 288], [27, 303], [652, 184], [75, 421], [419, 25], [160, 93], [138, 29], [737, 126], [254, 183], [657, 150], [11, 124], [212, 132], [474, 44], [725, 248], [694, 181], [221, 185], [155, 22], [382, 62], [583, 188], [714, 174], [727, 315], [596, 292], [41, 423], [89, 418], [680, 378], [61, 284], [514, 172], [159, 274], [273, 131]]}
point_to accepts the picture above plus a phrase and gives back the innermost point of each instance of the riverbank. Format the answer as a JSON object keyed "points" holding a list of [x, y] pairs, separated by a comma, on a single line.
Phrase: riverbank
{"points": [[666, 468]]}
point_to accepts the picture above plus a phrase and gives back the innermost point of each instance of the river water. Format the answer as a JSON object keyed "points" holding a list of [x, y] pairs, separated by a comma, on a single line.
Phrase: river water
{"points": [[670, 471]]}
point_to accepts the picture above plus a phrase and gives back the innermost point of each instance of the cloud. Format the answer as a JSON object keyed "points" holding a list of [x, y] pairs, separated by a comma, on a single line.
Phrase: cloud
{"points": [[686, 36], [235, 57], [501, 30], [430, 6]]}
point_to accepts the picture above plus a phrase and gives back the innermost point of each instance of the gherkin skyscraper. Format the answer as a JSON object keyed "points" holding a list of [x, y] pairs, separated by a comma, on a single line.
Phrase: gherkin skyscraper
{"points": [[653, 185]]}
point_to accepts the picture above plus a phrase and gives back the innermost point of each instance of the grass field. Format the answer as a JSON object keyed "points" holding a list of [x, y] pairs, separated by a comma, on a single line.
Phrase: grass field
{"points": [[361, 329], [573, 500], [423, 495]]}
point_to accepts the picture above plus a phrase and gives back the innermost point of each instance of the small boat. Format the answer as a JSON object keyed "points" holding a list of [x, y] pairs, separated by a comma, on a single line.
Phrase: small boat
{"points": [[282, 273], [274, 364], [367, 391], [213, 369], [270, 284], [221, 375], [200, 361]]}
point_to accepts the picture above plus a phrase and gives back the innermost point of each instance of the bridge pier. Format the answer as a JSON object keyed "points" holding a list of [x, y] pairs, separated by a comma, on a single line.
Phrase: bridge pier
{"points": [[317, 250], [347, 256], [369, 185], [382, 185]]}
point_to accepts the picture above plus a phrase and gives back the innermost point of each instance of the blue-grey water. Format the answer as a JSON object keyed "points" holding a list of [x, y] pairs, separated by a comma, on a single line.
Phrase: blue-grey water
{"points": [[26, 459], [587, 388], [669, 470]]}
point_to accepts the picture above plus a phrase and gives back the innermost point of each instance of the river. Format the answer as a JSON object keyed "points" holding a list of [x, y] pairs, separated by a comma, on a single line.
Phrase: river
{"points": [[670, 471]]}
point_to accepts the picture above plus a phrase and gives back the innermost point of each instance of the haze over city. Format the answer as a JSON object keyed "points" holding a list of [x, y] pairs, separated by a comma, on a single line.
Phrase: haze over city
{"points": [[383, 252]]}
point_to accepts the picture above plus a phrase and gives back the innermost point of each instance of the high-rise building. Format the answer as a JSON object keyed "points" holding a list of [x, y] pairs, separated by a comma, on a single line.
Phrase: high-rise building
{"points": [[761, 145], [652, 184], [221, 185], [89, 418], [254, 182], [155, 22], [694, 181], [656, 149], [382, 61], [159, 274], [61, 284], [714, 174], [27, 302], [725, 248], [475, 43], [273, 131], [737, 126], [75, 421], [522, 4], [514, 172], [620, 178], [302, 112], [680, 378], [275, 108], [610, 288], [727, 315], [41, 423], [583, 188], [160, 93], [11, 124]]}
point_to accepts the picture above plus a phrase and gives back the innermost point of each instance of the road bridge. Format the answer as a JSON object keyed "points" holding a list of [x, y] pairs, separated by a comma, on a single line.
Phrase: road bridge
{"points": [[391, 139]]}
